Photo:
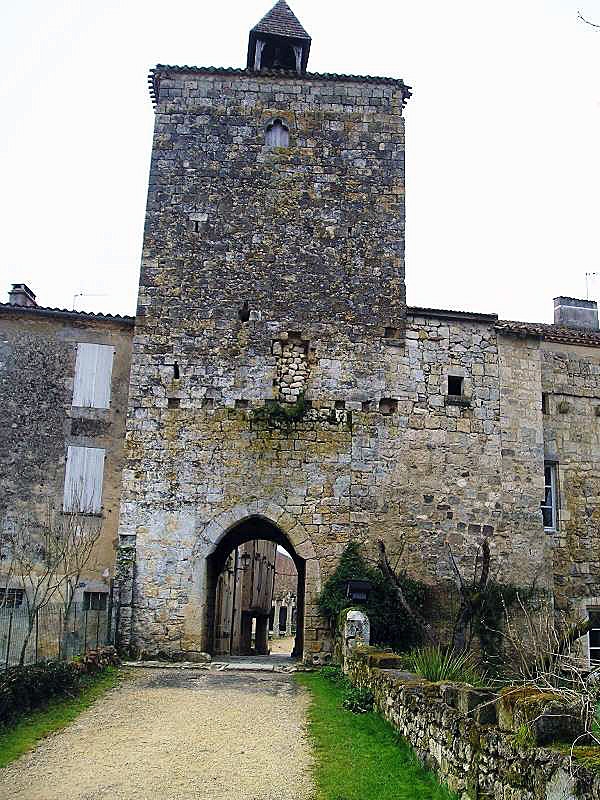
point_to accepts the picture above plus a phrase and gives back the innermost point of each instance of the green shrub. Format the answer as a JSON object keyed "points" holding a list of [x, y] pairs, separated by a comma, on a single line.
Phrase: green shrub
{"points": [[389, 624], [23, 689], [357, 700], [333, 674], [444, 664]]}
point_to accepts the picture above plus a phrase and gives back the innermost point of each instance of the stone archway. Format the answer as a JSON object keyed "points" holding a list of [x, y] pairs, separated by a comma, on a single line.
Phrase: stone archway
{"points": [[214, 543]]}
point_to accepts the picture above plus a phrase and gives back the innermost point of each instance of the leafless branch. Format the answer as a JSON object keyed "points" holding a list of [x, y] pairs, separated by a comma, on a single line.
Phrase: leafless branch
{"points": [[587, 21]]}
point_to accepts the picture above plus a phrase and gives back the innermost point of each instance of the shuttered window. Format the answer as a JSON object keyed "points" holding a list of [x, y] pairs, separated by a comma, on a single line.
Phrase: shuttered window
{"points": [[83, 479], [93, 372]]}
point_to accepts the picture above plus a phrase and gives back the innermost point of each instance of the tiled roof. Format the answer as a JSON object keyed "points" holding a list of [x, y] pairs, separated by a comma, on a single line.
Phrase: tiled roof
{"points": [[64, 313], [154, 77], [419, 311], [281, 21], [551, 333]]}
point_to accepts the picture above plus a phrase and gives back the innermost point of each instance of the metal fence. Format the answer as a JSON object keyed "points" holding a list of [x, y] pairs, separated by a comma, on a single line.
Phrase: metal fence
{"points": [[53, 634]]}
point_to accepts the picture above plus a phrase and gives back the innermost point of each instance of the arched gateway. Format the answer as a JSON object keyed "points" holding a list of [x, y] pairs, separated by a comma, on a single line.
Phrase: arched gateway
{"points": [[260, 520], [170, 611]]}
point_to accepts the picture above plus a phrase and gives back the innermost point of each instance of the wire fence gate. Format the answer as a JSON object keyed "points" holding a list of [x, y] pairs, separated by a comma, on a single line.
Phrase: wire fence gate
{"points": [[51, 633]]}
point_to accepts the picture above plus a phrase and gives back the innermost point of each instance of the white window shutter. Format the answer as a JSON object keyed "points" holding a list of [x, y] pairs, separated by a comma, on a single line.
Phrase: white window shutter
{"points": [[93, 375], [83, 479]]}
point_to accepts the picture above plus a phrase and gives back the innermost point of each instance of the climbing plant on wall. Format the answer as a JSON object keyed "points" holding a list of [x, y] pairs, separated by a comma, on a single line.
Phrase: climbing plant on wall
{"points": [[390, 625]]}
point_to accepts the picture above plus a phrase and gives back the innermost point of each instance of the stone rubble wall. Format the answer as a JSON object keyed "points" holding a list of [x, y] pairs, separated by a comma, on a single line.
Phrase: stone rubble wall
{"points": [[453, 733], [571, 379]]}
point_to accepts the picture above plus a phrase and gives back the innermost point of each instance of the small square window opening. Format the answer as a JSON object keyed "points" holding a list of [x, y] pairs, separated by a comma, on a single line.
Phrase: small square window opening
{"points": [[11, 598], [94, 601], [455, 385]]}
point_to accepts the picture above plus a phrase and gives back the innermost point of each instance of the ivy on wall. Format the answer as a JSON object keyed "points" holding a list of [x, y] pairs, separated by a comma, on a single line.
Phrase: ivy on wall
{"points": [[390, 626]]}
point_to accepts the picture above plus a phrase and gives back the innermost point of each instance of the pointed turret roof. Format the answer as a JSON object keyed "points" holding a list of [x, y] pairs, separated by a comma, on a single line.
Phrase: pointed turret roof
{"points": [[281, 21]]}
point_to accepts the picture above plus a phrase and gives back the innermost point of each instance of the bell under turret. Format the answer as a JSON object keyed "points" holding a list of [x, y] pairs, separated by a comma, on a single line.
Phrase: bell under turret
{"points": [[279, 41]]}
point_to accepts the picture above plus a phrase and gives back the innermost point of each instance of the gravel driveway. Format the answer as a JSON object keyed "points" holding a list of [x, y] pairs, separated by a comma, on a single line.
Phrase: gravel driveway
{"points": [[176, 735]]}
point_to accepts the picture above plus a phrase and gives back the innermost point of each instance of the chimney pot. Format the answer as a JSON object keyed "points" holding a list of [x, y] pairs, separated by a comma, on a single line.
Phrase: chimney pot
{"points": [[21, 295], [571, 312]]}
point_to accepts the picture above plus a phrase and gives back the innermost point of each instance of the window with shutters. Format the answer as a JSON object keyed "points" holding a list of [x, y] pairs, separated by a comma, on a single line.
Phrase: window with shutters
{"points": [[93, 373], [83, 479]]}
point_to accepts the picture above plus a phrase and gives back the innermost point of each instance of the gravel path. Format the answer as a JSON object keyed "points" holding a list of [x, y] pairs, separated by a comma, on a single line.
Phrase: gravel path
{"points": [[176, 735]]}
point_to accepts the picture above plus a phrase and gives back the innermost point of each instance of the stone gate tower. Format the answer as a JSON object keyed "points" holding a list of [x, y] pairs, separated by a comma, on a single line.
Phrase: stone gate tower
{"points": [[271, 288]]}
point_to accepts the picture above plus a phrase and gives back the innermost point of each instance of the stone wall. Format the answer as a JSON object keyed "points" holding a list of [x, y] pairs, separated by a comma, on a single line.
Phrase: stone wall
{"points": [[453, 730], [571, 379], [381, 450], [37, 366]]}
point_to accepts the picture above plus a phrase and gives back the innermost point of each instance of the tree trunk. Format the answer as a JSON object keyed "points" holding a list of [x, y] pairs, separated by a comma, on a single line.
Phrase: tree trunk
{"points": [[416, 618]]}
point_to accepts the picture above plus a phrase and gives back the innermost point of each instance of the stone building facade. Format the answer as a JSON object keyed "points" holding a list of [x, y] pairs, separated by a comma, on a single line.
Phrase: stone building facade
{"points": [[307, 401], [64, 383], [281, 388]]}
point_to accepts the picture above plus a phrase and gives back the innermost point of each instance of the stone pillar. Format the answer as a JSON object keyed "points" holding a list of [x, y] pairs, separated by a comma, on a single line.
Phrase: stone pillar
{"points": [[288, 622], [276, 618], [262, 635], [356, 630]]}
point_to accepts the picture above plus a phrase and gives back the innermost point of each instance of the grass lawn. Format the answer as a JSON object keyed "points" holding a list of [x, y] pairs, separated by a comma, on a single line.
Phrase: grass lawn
{"points": [[24, 734], [359, 756]]}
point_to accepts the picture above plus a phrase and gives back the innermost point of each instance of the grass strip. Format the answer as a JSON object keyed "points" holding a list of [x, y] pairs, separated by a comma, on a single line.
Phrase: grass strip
{"points": [[57, 714], [360, 756]]}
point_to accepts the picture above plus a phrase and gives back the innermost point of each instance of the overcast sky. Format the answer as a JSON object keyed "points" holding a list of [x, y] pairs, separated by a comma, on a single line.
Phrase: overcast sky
{"points": [[503, 137]]}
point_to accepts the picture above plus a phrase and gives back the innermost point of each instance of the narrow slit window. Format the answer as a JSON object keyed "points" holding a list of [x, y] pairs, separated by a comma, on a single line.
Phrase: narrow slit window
{"points": [[455, 385], [277, 135], [549, 503], [176, 371], [545, 403]]}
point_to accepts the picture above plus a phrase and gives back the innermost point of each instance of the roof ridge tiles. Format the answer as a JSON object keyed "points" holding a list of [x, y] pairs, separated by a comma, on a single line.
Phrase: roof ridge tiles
{"points": [[51, 311], [281, 21]]}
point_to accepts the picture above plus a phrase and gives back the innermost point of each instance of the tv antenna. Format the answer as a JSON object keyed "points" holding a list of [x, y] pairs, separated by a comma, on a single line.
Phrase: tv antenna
{"points": [[83, 294]]}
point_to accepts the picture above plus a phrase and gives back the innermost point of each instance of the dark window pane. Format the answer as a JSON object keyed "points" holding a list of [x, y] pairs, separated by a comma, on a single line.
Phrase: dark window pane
{"points": [[595, 638], [594, 617], [547, 515]]}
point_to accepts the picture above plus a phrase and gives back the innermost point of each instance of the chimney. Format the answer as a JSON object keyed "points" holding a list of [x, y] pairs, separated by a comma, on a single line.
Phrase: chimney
{"points": [[572, 313], [21, 295]]}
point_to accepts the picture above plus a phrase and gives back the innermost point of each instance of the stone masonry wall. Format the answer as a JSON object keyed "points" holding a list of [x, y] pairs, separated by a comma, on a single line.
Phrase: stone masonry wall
{"points": [[454, 733], [571, 379], [382, 451], [37, 367], [277, 275]]}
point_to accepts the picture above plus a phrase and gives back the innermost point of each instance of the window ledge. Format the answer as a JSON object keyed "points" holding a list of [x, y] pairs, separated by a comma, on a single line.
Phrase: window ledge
{"points": [[457, 400], [95, 514]]}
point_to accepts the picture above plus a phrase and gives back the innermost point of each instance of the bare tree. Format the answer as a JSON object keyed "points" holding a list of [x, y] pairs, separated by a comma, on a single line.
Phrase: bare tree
{"points": [[587, 21], [45, 558], [418, 620], [472, 594]]}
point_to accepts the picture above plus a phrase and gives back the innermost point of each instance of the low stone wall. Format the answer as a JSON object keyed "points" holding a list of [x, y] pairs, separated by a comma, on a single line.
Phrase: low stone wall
{"points": [[454, 731]]}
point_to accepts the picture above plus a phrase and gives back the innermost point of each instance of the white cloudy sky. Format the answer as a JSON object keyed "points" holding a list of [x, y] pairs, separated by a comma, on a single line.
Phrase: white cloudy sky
{"points": [[503, 137]]}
